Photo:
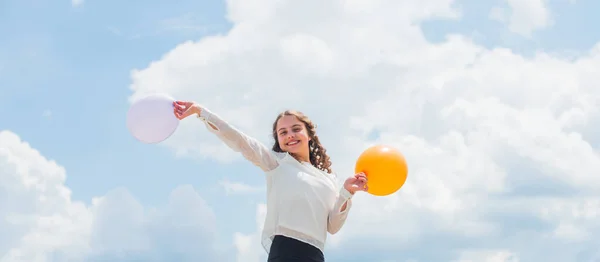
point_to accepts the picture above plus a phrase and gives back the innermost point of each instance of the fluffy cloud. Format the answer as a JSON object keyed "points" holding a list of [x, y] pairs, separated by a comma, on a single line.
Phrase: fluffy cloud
{"points": [[233, 188], [523, 16], [248, 246], [38, 214], [502, 147], [41, 223]]}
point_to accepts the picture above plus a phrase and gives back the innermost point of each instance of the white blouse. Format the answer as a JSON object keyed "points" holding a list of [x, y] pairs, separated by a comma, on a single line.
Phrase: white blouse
{"points": [[302, 201]]}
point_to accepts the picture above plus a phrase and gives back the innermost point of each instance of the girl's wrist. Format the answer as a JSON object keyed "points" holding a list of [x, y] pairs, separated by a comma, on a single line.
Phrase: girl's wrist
{"points": [[197, 109], [350, 190]]}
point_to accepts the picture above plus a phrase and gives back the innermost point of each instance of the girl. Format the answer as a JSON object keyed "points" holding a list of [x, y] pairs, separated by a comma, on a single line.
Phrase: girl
{"points": [[303, 203]]}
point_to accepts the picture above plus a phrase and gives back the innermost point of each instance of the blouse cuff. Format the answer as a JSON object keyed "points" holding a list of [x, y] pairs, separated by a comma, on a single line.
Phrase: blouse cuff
{"points": [[345, 194], [204, 114]]}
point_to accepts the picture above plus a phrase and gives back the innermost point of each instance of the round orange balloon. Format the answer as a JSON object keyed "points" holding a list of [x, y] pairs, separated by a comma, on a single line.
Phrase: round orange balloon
{"points": [[385, 168]]}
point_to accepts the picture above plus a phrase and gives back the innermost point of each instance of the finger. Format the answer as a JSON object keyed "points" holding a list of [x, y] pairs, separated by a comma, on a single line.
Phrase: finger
{"points": [[358, 183], [361, 174], [183, 103], [178, 114], [360, 188], [177, 111], [180, 107]]}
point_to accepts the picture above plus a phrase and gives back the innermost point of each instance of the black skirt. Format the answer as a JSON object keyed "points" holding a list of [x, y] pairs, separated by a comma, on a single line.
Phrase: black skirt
{"points": [[285, 249]]}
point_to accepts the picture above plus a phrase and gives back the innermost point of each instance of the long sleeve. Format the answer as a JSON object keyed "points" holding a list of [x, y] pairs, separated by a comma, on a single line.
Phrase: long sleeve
{"points": [[252, 149], [337, 216]]}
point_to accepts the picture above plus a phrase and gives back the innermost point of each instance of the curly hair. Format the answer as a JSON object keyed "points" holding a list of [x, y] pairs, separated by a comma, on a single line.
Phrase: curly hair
{"points": [[318, 153]]}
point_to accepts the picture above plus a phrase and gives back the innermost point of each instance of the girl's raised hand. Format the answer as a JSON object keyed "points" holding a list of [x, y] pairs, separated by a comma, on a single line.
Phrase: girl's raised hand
{"points": [[358, 182], [183, 109]]}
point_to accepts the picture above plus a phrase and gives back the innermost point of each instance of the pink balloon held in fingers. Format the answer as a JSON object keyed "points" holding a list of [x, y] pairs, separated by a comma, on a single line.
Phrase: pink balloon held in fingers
{"points": [[150, 119]]}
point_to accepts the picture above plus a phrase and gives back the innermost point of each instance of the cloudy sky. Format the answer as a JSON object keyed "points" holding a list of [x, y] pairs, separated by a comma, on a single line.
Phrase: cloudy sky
{"points": [[494, 104]]}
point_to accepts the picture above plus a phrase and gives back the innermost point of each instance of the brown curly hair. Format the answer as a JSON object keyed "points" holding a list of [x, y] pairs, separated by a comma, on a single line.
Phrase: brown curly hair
{"points": [[318, 153]]}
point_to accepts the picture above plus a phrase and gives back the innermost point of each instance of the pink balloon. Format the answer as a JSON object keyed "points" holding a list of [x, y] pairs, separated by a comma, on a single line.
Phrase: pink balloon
{"points": [[151, 120]]}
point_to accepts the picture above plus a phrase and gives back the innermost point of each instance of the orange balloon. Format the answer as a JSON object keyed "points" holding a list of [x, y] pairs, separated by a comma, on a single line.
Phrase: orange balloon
{"points": [[385, 168]]}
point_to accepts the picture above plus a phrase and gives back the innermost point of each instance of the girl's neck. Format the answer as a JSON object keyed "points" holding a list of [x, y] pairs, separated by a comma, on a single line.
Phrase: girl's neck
{"points": [[301, 158]]}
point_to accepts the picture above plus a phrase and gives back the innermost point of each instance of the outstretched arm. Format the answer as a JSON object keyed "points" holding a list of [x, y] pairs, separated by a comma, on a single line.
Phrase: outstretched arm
{"points": [[252, 149]]}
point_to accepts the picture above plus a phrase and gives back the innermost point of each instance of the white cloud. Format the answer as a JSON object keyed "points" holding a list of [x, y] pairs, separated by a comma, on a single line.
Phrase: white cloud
{"points": [[501, 147], [523, 16], [234, 188], [488, 256], [125, 230], [248, 246], [38, 214], [77, 2], [41, 223]]}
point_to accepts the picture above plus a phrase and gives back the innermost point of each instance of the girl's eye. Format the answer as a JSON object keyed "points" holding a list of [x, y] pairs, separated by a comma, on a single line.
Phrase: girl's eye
{"points": [[297, 130]]}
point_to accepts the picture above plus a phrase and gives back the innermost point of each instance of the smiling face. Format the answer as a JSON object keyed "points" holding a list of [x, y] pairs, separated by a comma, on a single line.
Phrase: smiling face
{"points": [[293, 137], [296, 134]]}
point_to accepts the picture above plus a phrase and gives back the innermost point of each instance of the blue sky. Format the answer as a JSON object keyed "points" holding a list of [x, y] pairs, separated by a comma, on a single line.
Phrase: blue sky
{"points": [[66, 72], [570, 30], [75, 63]]}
